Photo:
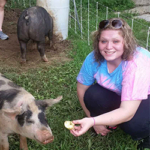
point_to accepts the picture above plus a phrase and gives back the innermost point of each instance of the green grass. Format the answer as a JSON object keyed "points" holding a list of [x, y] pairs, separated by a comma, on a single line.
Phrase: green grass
{"points": [[21, 4], [49, 82], [52, 81]]}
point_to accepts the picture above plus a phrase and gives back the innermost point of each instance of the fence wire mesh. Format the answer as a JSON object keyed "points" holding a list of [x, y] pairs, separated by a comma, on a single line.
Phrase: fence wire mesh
{"points": [[90, 16], [84, 19]]}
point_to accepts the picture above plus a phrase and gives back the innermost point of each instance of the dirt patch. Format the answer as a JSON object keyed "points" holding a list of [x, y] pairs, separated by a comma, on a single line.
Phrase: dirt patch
{"points": [[10, 49]]}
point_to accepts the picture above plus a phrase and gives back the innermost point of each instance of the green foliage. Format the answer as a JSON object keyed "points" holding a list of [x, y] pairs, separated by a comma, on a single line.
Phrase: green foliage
{"points": [[22, 4], [112, 4], [118, 4]]}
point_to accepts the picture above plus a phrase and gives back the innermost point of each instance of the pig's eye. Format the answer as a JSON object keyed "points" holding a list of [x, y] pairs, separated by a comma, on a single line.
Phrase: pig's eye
{"points": [[30, 121]]}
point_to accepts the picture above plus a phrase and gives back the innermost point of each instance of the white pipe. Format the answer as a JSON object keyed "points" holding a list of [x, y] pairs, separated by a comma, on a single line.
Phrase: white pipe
{"points": [[59, 11]]}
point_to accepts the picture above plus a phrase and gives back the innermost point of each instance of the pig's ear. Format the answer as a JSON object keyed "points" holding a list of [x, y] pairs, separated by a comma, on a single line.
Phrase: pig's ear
{"points": [[48, 102], [12, 113]]}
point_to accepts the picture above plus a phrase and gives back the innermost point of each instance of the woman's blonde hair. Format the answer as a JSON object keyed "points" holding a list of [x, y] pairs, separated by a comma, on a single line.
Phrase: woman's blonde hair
{"points": [[130, 43]]}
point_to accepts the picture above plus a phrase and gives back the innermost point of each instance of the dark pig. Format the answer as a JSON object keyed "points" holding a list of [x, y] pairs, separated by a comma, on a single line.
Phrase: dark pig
{"points": [[20, 113], [34, 23]]}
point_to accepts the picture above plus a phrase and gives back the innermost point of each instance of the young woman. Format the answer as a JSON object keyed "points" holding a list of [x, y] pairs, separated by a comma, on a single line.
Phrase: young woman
{"points": [[3, 36], [114, 84]]}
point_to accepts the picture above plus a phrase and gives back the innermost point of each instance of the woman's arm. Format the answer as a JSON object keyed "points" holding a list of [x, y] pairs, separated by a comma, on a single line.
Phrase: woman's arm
{"points": [[99, 129], [123, 114], [81, 91]]}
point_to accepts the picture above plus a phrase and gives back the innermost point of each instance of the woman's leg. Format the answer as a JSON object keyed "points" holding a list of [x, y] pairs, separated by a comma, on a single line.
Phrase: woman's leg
{"points": [[2, 5], [99, 100], [3, 36]]}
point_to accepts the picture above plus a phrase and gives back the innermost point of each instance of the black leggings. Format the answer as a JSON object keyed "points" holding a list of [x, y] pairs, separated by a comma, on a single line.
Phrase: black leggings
{"points": [[99, 100]]}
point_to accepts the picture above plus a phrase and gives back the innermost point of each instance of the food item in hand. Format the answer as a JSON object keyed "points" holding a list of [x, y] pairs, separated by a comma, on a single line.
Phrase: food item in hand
{"points": [[69, 125]]}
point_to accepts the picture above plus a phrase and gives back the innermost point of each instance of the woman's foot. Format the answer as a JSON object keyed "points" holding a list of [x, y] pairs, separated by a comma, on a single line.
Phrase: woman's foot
{"points": [[145, 143], [111, 128], [3, 36]]}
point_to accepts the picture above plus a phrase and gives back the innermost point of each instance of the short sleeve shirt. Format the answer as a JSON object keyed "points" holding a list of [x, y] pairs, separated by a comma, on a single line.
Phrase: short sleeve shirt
{"points": [[131, 79]]}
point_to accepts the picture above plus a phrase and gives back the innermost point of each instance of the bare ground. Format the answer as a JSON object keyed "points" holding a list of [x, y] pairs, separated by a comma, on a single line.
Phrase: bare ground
{"points": [[10, 55]]}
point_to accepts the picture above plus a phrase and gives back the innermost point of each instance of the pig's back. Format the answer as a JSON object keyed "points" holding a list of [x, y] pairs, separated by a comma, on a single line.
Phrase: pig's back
{"points": [[34, 24]]}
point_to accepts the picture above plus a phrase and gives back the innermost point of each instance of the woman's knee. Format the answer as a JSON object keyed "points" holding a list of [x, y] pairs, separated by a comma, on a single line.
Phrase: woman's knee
{"points": [[139, 126], [136, 131], [93, 95], [101, 100]]}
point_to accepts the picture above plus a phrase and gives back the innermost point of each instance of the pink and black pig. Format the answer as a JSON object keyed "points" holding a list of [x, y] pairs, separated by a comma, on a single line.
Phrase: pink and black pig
{"points": [[20, 113], [35, 24]]}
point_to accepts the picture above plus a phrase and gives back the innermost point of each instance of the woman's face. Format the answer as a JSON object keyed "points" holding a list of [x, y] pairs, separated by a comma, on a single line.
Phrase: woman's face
{"points": [[111, 45]]}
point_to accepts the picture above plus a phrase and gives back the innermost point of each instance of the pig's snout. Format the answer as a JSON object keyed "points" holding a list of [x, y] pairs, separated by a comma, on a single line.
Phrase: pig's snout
{"points": [[49, 140], [44, 137]]}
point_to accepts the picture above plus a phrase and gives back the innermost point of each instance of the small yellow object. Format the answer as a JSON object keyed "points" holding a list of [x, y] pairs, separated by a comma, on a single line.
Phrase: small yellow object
{"points": [[69, 125]]}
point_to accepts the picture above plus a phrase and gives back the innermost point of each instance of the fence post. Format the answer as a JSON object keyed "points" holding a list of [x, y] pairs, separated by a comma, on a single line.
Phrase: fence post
{"points": [[88, 24], [147, 37], [132, 24], [106, 13], [75, 17], [81, 17], [96, 15], [24, 3]]}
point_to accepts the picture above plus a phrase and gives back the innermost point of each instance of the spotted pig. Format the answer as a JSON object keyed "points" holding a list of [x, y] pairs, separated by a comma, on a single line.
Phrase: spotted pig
{"points": [[20, 113]]}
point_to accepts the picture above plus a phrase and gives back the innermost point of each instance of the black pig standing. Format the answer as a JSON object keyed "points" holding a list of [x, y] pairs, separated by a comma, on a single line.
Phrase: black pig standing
{"points": [[34, 23]]}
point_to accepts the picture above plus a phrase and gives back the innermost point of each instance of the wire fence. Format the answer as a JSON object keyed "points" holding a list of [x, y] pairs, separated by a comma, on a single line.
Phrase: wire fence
{"points": [[84, 19]]}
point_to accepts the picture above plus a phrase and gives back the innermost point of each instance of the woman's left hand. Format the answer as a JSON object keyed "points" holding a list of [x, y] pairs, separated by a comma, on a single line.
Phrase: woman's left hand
{"points": [[83, 125], [101, 129]]}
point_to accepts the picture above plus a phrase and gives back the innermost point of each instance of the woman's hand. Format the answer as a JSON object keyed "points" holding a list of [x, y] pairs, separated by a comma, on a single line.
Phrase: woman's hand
{"points": [[81, 126], [101, 129]]}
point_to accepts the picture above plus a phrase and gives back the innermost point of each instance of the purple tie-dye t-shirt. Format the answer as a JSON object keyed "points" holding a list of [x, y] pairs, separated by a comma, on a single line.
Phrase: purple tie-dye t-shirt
{"points": [[131, 79]]}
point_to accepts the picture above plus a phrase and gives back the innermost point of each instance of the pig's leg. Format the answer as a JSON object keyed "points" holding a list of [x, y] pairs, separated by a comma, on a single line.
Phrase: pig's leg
{"points": [[23, 46], [4, 145], [50, 33], [41, 49], [23, 143], [50, 36]]}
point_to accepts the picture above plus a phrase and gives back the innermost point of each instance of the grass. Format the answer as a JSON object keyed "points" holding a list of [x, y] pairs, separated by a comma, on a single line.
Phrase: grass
{"points": [[49, 82], [52, 81]]}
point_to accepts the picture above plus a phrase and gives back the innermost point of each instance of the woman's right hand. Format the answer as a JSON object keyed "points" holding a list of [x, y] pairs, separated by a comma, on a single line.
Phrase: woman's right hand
{"points": [[81, 126]]}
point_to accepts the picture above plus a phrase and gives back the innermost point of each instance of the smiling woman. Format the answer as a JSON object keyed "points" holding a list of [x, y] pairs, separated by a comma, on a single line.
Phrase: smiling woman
{"points": [[121, 94]]}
